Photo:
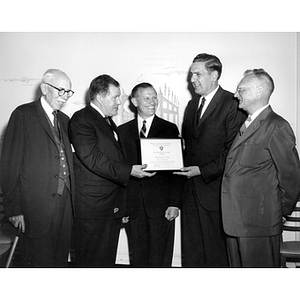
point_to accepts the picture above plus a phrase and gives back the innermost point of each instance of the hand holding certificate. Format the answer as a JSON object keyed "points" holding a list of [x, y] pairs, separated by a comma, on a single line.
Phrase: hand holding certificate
{"points": [[161, 154]]}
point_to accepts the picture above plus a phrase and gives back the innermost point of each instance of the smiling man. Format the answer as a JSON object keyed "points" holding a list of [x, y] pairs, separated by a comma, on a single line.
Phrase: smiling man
{"points": [[210, 123], [152, 203], [37, 174]]}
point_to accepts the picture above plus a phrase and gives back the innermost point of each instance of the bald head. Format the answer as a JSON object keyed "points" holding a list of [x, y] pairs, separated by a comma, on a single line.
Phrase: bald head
{"points": [[56, 88], [254, 90], [262, 78]]}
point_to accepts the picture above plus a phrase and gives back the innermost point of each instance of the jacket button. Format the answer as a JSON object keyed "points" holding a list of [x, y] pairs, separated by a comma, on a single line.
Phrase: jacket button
{"points": [[116, 209], [53, 195]]}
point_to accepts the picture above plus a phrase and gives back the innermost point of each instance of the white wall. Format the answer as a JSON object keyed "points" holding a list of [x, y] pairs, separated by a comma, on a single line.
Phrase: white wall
{"points": [[159, 58]]}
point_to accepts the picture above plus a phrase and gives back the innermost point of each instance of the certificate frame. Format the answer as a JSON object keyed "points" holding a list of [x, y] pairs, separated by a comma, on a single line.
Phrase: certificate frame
{"points": [[161, 154]]}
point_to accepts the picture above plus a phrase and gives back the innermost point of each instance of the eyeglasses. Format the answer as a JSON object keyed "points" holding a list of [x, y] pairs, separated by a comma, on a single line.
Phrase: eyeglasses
{"points": [[241, 88], [61, 91]]}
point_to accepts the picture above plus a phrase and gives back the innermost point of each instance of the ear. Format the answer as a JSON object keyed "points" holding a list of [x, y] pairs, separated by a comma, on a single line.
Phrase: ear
{"points": [[134, 101], [215, 75], [98, 97], [259, 91], [43, 88]]}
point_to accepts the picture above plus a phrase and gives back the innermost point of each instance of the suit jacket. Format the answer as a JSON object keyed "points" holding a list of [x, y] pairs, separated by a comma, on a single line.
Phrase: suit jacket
{"points": [[101, 173], [159, 191], [30, 167], [207, 144], [261, 181]]}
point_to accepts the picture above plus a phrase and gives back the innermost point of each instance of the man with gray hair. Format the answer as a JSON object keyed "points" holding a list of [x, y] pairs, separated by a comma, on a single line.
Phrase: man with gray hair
{"points": [[37, 174], [261, 181]]}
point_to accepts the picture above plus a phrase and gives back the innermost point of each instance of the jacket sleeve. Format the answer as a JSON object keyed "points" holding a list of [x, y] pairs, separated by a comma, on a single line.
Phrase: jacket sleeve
{"points": [[11, 161], [215, 168], [286, 160]]}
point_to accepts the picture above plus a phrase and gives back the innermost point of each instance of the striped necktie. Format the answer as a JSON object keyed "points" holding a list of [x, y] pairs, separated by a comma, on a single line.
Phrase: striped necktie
{"points": [[245, 125], [199, 111], [143, 130]]}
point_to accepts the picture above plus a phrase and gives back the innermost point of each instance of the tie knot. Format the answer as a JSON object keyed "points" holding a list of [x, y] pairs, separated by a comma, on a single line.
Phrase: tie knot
{"points": [[143, 129], [54, 113], [107, 119]]}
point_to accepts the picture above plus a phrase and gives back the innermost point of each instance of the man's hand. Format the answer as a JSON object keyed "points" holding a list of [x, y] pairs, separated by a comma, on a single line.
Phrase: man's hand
{"points": [[171, 213], [189, 172], [18, 221], [138, 171]]}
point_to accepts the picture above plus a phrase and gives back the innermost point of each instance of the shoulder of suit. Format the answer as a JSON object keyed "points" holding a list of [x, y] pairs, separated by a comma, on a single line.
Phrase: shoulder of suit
{"points": [[25, 109], [81, 112], [159, 119], [274, 117], [126, 125]]}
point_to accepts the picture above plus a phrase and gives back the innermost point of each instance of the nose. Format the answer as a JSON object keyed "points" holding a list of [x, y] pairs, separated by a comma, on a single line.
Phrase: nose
{"points": [[118, 101], [236, 94], [65, 96], [193, 76]]}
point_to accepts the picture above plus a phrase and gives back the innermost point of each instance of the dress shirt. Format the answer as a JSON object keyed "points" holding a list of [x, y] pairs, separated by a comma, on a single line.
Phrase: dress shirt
{"points": [[208, 98], [148, 124], [48, 109], [255, 115], [103, 115]]}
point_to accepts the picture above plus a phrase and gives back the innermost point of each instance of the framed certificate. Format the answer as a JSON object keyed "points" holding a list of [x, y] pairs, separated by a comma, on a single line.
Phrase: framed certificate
{"points": [[161, 154]]}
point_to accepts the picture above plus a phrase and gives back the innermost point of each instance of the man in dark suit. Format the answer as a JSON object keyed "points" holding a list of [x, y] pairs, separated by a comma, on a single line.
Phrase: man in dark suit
{"points": [[37, 174], [152, 203], [261, 182], [101, 175], [210, 124]]}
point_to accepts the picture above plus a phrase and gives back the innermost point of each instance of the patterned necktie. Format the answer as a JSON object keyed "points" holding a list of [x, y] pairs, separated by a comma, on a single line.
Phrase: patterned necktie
{"points": [[143, 130], [199, 111], [245, 125], [55, 122]]}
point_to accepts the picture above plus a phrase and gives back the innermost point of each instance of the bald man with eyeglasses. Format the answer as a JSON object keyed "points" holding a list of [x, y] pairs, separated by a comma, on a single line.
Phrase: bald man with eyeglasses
{"points": [[37, 174]]}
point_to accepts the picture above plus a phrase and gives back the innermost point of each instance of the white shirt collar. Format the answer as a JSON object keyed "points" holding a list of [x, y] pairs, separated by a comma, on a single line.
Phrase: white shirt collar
{"points": [[148, 123], [210, 95], [48, 109], [98, 109], [255, 115], [208, 99]]}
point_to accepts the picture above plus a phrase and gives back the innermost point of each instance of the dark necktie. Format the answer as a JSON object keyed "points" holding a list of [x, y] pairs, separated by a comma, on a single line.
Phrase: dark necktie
{"points": [[112, 126], [199, 111], [245, 125], [107, 120], [143, 130], [55, 122]]}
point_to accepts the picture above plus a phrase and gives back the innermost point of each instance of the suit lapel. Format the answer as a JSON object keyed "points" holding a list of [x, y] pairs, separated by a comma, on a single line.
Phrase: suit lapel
{"points": [[102, 125], [155, 127], [211, 107], [253, 127], [43, 119], [134, 130]]}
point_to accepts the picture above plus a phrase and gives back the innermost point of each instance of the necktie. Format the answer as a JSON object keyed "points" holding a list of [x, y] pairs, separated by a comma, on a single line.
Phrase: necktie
{"points": [[245, 125], [107, 120], [112, 126], [199, 111], [55, 122], [143, 130]]}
